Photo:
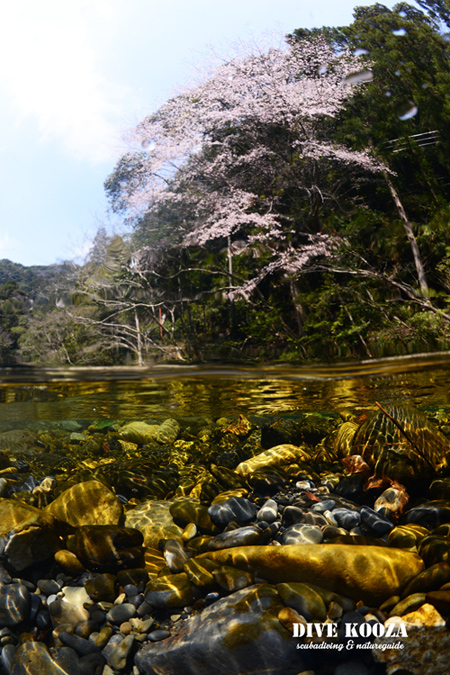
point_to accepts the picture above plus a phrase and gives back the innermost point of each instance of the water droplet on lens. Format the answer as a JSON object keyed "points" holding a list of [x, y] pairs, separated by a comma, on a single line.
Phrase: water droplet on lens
{"points": [[406, 109], [361, 76], [400, 31]]}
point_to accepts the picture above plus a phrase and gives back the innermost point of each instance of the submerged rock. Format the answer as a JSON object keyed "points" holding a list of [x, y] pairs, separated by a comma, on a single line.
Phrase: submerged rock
{"points": [[424, 651], [107, 547], [27, 535], [173, 590], [276, 456], [138, 432], [371, 574], [87, 503], [154, 520], [33, 658], [237, 635], [397, 441]]}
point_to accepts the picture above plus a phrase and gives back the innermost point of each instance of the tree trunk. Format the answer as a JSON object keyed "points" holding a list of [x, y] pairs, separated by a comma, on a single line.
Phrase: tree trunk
{"points": [[298, 309], [410, 234], [138, 338]]}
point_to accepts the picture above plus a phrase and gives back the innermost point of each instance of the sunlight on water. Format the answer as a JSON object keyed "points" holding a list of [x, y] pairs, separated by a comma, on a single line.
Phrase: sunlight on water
{"points": [[31, 395]]}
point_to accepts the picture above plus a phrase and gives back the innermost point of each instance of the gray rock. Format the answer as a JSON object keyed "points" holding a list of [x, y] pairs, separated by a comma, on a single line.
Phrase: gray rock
{"points": [[157, 635], [120, 613], [174, 555], [14, 604], [302, 533], [242, 536], [118, 650], [33, 658], [268, 512], [324, 505], [236, 508], [7, 657], [237, 635], [78, 644], [346, 518], [379, 524]]}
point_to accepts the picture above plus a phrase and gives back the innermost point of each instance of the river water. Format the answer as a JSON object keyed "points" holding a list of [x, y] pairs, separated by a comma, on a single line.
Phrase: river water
{"points": [[149, 443], [30, 395]]}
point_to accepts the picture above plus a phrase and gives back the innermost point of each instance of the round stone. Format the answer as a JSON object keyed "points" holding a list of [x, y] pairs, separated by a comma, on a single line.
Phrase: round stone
{"points": [[379, 525], [232, 579], [301, 533], [174, 555], [14, 604], [324, 505], [304, 599], [87, 503], [173, 590], [118, 650], [69, 562], [430, 515], [107, 546], [157, 635], [275, 456], [239, 509], [268, 512], [102, 587], [346, 518], [120, 613], [242, 536]]}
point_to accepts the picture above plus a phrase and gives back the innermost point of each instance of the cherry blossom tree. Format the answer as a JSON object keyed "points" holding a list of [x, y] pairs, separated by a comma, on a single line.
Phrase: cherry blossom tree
{"points": [[247, 154]]}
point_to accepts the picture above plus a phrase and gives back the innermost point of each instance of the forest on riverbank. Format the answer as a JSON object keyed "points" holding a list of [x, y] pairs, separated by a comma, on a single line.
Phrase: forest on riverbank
{"points": [[294, 205]]}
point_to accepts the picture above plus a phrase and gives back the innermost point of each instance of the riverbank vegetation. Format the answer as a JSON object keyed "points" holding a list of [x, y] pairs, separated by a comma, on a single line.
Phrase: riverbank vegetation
{"points": [[294, 204]]}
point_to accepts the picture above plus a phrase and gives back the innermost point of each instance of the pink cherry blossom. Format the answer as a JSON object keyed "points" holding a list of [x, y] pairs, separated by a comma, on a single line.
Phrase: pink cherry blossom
{"points": [[245, 149]]}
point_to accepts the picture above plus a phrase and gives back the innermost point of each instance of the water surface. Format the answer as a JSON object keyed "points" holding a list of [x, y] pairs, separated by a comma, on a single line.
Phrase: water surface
{"points": [[30, 395]]}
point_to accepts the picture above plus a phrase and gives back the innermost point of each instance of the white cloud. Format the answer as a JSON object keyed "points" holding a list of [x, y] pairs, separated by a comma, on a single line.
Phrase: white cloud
{"points": [[51, 70]]}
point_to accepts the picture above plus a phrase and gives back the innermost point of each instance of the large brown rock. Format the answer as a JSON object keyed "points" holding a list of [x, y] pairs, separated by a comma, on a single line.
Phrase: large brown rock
{"points": [[87, 503], [107, 547], [368, 573], [276, 456], [27, 535]]}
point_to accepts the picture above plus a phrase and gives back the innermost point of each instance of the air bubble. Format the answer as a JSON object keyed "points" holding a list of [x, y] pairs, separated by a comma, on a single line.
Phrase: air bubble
{"points": [[406, 110], [361, 76]]}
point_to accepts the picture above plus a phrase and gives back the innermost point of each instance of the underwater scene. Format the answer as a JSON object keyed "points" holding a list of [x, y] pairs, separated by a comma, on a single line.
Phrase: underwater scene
{"points": [[193, 520]]}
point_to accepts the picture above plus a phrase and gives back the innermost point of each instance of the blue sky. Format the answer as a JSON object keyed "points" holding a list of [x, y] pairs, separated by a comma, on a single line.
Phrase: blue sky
{"points": [[75, 74]]}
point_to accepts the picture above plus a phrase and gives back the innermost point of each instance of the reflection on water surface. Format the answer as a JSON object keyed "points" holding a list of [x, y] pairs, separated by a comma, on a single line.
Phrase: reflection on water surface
{"points": [[28, 395]]}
